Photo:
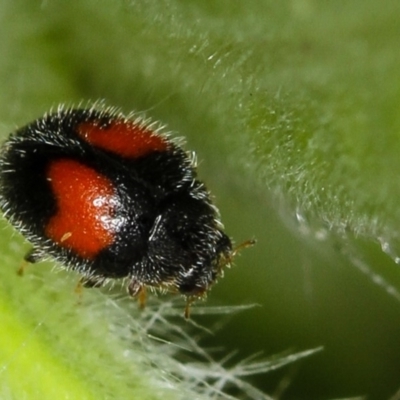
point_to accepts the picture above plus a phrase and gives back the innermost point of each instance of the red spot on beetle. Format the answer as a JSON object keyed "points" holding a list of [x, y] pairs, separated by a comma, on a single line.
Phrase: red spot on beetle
{"points": [[85, 200], [125, 138]]}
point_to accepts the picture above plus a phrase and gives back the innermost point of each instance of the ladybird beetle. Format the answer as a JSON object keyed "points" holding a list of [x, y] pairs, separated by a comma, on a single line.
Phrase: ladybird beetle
{"points": [[112, 197]]}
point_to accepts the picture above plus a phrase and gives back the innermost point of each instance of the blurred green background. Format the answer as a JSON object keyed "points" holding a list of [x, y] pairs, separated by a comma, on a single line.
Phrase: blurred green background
{"points": [[293, 110]]}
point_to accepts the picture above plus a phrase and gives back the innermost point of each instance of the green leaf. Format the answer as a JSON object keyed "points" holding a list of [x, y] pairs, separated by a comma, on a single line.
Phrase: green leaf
{"points": [[298, 99]]}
